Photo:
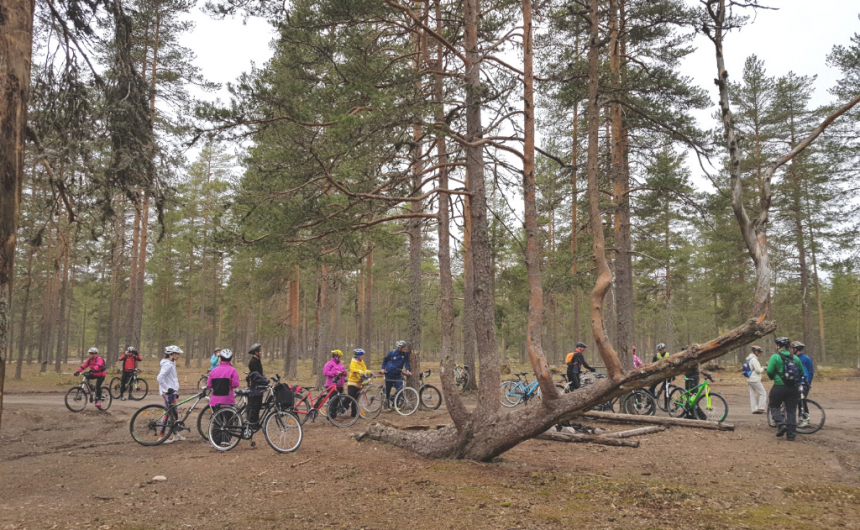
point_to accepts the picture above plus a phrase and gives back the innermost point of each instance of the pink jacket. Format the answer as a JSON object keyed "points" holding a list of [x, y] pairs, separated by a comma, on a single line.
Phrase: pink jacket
{"points": [[222, 380], [331, 370], [637, 362], [97, 365]]}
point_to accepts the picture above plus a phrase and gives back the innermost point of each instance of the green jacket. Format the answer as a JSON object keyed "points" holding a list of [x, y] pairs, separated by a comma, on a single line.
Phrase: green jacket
{"points": [[775, 368]]}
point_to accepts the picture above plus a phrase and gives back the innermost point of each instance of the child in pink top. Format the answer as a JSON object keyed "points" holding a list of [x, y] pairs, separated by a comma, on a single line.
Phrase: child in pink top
{"points": [[637, 362], [335, 371]]}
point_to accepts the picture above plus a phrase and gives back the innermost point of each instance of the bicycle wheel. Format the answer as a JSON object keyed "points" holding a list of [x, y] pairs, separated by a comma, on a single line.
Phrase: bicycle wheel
{"points": [[512, 394], [201, 383], [461, 378], [406, 401], [283, 431], [660, 396], [225, 429], [811, 421], [115, 387], [203, 420], [677, 402], [150, 425], [639, 403], [370, 401], [241, 402], [139, 389], [718, 410], [76, 399], [106, 400], [302, 409], [431, 398], [342, 410]]}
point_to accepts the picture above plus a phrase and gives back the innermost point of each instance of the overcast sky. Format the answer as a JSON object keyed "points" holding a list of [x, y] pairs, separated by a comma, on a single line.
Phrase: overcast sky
{"points": [[796, 37]]}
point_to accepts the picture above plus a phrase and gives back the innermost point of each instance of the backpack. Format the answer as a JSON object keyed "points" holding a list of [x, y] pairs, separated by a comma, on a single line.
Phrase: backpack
{"points": [[791, 374], [746, 369], [284, 395]]}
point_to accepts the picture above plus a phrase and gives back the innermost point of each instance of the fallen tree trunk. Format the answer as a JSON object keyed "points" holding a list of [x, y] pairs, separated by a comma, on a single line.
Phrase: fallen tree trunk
{"points": [[680, 422], [636, 432], [586, 438]]}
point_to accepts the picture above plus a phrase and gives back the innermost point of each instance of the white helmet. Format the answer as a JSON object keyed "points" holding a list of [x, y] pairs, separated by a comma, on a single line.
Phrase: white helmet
{"points": [[226, 354], [400, 344], [170, 350], [93, 350]]}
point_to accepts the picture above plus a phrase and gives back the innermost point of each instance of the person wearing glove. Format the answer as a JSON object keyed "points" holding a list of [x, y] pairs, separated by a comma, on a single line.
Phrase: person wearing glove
{"points": [[168, 383], [97, 371]]}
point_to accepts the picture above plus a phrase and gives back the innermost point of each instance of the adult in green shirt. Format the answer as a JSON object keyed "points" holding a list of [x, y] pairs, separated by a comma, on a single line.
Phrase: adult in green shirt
{"points": [[784, 392]]}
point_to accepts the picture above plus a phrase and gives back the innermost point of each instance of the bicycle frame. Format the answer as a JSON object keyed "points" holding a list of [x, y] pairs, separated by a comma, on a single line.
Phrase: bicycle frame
{"points": [[528, 389], [309, 397], [691, 398]]}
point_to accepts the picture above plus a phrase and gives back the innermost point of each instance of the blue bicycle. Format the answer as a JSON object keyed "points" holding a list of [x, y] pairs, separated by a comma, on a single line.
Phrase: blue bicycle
{"points": [[520, 391]]}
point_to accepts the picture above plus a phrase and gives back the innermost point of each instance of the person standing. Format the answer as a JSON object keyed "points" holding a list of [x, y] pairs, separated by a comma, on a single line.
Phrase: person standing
{"points": [[357, 372], [215, 359], [786, 372], [168, 384], [129, 364], [659, 356], [335, 371], [575, 363], [637, 362], [223, 380], [256, 381], [797, 348], [758, 396], [394, 365], [97, 371]]}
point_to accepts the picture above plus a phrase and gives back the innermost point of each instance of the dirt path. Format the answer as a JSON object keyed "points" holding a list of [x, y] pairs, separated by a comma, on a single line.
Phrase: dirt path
{"points": [[84, 471]]}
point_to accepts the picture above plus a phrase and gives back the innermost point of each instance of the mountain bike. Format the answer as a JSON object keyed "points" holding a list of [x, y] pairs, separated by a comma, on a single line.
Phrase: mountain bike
{"points": [[662, 394], [430, 397], [137, 387], [698, 402], [370, 398], [340, 409], [280, 425], [640, 403], [154, 424], [78, 396], [406, 400], [461, 376], [810, 415]]}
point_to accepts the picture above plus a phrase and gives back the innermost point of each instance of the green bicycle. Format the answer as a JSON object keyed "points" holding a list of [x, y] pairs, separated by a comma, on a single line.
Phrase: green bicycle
{"points": [[698, 402]]}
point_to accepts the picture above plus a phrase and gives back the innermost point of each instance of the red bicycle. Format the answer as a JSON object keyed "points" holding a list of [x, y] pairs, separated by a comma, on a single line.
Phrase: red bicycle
{"points": [[340, 409]]}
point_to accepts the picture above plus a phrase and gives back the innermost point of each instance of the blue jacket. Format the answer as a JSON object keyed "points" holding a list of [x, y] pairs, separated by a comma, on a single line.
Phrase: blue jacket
{"points": [[807, 367], [394, 363], [213, 361]]}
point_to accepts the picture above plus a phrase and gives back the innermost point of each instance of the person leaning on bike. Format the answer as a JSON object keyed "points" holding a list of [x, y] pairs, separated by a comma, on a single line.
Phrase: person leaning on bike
{"points": [[784, 391], [168, 383], [223, 380], [129, 364], [256, 383], [97, 371], [394, 365], [797, 348], [575, 362]]}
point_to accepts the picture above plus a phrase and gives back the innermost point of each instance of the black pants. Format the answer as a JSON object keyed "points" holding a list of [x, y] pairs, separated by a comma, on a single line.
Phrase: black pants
{"points": [[789, 396], [573, 377], [352, 391], [99, 381], [805, 389], [126, 377], [691, 381], [255, 403]]}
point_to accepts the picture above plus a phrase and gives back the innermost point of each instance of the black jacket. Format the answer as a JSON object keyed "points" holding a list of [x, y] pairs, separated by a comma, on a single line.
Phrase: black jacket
{"points": [[578, 362], [254, 365]]}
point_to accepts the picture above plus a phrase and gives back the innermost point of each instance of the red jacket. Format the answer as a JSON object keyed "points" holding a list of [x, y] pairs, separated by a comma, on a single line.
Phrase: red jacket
{"points": [[129, 361], [97, 365]]}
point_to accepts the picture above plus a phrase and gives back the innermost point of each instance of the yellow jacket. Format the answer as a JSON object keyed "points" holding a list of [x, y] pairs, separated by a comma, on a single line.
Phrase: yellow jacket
{"points": [[356, 370]]}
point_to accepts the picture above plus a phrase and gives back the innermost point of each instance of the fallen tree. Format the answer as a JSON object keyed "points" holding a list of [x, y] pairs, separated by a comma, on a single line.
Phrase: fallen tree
{"points": [[652, 420], [586, 438]]}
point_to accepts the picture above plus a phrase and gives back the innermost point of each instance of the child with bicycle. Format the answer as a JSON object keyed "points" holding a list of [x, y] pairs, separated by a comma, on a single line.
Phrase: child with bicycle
{"points": [[335, 371], [97, 371], [168, 384], [223, 380], [357, 373], [129, 361]]}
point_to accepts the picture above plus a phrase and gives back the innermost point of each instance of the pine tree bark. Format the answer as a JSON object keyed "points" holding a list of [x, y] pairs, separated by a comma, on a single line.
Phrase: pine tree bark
{"points": [[368, 308], [25, 306], [468, 292], [574, 220], [65, 243]]}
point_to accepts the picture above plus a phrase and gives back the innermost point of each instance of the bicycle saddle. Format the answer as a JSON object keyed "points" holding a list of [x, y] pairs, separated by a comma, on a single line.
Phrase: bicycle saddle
{"points": [[243, 392]]}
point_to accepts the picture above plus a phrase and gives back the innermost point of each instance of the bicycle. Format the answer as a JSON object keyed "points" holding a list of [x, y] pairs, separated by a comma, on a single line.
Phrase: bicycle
{"points": [[430, 397], [662, 394], [342, 409], [154, 424], [137, 388], [689, 402], [406, 400], [77, 396], [461, 376], [518, 391], [370, 398], [810, 415], [280, 425]]}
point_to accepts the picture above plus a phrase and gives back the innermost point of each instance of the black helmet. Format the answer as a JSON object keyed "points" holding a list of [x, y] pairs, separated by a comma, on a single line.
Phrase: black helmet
{"points": [[255, 348], [783, 342], [581, 345], [797, 345]]}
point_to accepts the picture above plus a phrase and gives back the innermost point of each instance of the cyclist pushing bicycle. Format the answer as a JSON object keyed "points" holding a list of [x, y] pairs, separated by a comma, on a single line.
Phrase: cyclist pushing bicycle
{"points": [[394, 365]]}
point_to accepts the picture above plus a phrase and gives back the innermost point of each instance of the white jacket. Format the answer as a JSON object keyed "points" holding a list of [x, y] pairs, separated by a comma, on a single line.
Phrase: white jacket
{"points": [[167, 377], [756, 368]]}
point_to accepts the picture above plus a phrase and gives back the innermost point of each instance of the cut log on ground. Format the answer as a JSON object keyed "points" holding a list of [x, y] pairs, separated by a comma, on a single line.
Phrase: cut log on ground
{"points": [[554, 436], [680, 422], [636, 432]]}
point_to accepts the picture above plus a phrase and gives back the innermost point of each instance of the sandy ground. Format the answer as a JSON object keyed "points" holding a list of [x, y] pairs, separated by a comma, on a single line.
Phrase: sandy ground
{"points": [[66, 470]]}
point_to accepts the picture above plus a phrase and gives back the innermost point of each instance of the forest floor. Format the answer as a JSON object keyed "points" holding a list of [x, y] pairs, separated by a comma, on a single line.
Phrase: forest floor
{"points": [[66, 470]]}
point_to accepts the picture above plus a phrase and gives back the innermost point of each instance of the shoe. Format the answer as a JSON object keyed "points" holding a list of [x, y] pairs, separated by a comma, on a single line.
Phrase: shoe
{"points": [[122, 398], [170, 440], [790, 437], [98, 404], [804, 423], [780, 431], [178, 438]]}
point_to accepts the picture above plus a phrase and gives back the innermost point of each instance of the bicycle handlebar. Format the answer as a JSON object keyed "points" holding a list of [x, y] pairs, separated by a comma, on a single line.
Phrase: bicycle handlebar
{"points": [[708, 376]]}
